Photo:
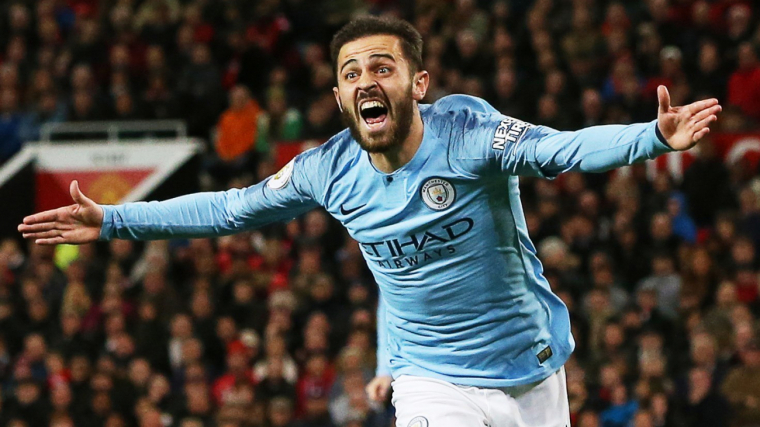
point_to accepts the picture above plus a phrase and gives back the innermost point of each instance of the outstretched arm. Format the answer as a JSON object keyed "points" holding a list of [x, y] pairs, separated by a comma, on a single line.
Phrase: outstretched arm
{"points": [[520, 148], [200, 215], [601, 148], [281, 197]]}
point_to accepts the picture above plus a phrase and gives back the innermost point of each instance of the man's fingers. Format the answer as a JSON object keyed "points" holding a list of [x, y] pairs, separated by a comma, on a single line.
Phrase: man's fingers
{"points": [[35, 228], [704, 122], [698, 106], [701, 128], [51, 241], [707, 112], [44, 234], [47, 216], [663, 97], [700, 134]]}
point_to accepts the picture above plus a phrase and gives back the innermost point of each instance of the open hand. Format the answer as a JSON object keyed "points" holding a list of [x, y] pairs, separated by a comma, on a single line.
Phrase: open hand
{"points": [[74, 224], [684, 126]]}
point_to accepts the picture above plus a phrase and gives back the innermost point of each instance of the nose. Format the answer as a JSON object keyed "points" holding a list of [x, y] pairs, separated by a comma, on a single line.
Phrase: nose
{"points": [[366, 81]]}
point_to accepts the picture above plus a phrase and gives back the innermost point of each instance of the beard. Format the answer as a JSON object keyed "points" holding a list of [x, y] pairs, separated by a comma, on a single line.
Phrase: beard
{"points": [[400, 115]]}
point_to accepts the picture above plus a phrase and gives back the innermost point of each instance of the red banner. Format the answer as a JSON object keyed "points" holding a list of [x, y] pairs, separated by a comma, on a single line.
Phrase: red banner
{"points": [[107, 173], [102, 187]]}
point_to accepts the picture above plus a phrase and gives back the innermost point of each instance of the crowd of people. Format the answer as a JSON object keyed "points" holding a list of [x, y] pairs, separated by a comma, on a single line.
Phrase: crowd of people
{"points": [[276, 327]]}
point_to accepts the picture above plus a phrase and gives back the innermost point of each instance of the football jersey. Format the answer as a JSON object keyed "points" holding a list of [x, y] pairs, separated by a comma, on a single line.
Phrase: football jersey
{"points": [[462, 295]]}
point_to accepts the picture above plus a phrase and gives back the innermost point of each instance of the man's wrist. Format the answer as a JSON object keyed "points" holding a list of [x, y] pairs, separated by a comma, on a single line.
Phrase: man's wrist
{"points": [[660, 136], [106, 226]]}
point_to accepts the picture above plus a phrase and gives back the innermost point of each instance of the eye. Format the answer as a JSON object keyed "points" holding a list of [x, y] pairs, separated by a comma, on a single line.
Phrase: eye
{"points": [[350, 75], [383, 70]]}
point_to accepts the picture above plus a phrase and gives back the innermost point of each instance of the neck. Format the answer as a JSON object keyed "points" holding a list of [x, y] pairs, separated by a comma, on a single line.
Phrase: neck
{"points": [[395, 158]]}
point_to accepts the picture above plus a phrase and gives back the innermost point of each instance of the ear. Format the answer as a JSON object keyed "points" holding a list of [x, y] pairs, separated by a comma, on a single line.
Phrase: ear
{"points": [[420, 85], [337, 99]]}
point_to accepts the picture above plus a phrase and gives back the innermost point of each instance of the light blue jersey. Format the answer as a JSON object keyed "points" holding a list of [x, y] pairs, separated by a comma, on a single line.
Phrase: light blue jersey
{"points": [[463, 298]]}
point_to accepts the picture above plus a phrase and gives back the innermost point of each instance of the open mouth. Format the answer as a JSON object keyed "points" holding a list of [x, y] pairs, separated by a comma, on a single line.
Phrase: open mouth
{"points": [[374, 113]]}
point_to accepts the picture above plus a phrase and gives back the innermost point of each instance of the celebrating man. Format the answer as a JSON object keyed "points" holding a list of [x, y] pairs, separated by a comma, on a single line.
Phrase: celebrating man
{"points": [[469, 331]]}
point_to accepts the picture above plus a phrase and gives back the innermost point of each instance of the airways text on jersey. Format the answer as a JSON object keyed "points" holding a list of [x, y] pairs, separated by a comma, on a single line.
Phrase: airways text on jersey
{"points": [[419, 248]]}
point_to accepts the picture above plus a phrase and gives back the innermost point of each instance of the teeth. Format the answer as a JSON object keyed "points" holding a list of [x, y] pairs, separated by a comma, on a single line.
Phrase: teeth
{"points": [[371, 104]]}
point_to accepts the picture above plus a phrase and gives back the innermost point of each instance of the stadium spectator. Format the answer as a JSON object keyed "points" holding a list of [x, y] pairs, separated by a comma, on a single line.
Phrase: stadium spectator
{"points": [[742, 384], [237, 133], [47, 110], [276, 327], [11, 122], [278, 122], [744, 84]]}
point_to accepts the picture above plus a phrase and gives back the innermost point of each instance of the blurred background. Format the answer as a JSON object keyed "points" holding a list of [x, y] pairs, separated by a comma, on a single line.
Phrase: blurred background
{"points": [[658, 263]]}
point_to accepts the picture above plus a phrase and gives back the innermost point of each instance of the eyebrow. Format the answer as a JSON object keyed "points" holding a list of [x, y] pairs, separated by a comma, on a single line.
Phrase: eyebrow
{"points": [[374, 55]]}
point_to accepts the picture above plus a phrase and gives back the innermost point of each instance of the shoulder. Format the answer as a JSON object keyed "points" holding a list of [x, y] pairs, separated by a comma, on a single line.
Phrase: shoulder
{"points": [[462, 104], [335, 150], [457, 114], [454, 116], [320, 166]]}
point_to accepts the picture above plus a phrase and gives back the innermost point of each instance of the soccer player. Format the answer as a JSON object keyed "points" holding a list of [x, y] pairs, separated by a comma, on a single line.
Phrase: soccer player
{"points": [[469, 332]]}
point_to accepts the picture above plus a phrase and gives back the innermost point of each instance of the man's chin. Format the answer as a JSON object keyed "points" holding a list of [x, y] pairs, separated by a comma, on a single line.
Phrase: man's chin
{"points": [[380, 141], [377, 145]]}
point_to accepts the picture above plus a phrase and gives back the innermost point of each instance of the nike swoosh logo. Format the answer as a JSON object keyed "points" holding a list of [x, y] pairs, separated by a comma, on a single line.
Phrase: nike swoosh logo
{"points": [[345, 211]]}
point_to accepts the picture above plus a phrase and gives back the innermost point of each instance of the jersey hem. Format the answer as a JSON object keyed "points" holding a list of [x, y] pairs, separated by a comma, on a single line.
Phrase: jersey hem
{"points": [[546, 370]]}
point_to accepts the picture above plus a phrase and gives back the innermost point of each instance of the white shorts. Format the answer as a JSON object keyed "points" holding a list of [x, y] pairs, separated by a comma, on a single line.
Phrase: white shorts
{"points": [[427, 402]]}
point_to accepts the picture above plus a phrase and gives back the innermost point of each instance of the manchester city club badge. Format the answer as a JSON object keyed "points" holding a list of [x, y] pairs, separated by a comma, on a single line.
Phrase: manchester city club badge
{"points": [[438, 194]]}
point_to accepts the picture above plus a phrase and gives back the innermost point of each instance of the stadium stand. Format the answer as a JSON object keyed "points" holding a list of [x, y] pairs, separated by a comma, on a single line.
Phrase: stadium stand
{"points": [[658, 263]]}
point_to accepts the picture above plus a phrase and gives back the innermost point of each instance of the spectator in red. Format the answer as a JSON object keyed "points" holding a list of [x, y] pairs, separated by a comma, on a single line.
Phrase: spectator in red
{"points": [[744, 83], [313, 389], [58, 373], [237, 372]]}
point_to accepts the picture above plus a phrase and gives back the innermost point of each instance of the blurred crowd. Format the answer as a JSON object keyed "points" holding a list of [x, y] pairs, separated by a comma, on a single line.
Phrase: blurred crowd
{"points": [[276, 327]]}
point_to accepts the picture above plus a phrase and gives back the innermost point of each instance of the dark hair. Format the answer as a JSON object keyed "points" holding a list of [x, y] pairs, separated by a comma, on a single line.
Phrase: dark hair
{"points": [[411, 40]]}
